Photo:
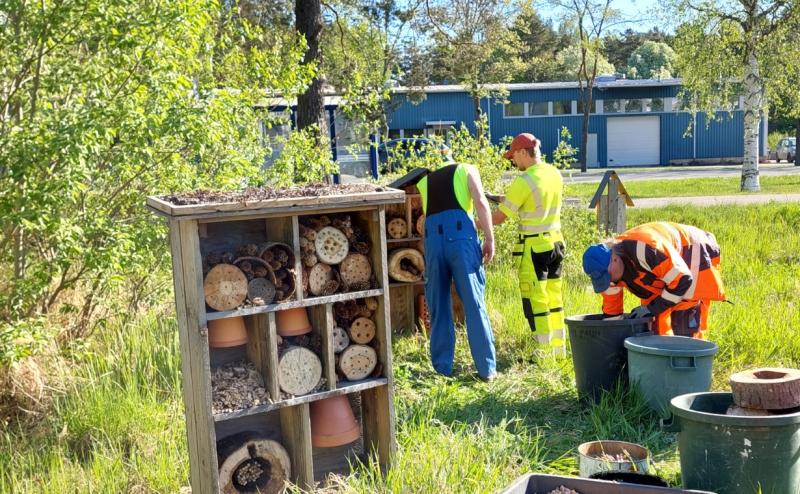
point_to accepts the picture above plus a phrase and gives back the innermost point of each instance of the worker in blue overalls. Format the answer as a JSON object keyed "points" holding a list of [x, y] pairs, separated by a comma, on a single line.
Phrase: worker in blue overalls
{"points": [[453, 252]]}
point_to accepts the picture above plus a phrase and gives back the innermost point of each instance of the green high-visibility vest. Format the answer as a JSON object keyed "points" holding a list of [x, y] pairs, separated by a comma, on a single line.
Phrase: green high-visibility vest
{"points": [[535, 196], [459, 190]]}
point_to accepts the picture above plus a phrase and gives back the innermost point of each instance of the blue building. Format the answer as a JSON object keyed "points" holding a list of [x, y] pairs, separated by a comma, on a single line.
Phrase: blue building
{"points": [[633, 122]]}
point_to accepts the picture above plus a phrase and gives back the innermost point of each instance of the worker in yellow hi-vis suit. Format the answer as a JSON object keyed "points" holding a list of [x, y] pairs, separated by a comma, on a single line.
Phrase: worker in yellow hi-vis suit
{"points": [[535, 197]]}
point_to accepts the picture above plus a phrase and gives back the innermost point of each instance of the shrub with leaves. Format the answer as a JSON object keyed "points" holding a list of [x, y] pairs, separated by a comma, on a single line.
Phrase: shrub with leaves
{"points": [[101, 104]]}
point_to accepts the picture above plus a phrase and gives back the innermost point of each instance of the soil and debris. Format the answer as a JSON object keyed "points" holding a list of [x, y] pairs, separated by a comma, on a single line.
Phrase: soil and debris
{"points": [[563, 490], [619, 457], [253, 194], [237, 386], [249, 473]]}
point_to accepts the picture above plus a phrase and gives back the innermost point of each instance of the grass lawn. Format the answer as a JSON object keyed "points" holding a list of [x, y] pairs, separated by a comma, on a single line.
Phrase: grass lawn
{"points": [[639, 189], [118, 424]]}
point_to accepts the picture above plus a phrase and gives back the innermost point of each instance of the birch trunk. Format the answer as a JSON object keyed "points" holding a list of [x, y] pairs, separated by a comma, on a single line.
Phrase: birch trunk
{"points": [[753, 101]]}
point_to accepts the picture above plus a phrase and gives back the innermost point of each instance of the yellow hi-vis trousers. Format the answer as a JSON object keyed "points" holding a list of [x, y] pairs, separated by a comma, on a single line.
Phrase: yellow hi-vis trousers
{"points": [[539, 258]]}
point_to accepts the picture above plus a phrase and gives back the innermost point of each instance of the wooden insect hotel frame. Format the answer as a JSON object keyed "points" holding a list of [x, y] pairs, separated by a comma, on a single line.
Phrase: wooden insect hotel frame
{"points": [[268, 436]]}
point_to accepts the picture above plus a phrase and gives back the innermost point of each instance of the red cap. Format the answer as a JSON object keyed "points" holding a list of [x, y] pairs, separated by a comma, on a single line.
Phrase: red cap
{"points": [[522, 141]]}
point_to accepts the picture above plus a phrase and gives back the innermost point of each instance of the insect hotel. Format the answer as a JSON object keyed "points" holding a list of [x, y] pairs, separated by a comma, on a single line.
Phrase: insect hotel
{"points": [[283, 309]]}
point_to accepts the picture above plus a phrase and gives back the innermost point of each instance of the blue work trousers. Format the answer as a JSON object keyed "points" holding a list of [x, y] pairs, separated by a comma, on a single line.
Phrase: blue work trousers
{"points": [[453, 254]]}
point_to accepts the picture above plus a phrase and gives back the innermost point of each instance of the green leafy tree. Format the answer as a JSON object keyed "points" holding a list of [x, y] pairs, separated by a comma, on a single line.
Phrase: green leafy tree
{"points": [[618, 47], [539, 45], [568, 62], [724, 50], [101, 104], [651, 60], [783, 91], [590, 19], [472, 45]]}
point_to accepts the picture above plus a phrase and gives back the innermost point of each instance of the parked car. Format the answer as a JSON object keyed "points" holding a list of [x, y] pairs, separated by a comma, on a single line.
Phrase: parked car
{"points": [[786, 149], [392, 153]]}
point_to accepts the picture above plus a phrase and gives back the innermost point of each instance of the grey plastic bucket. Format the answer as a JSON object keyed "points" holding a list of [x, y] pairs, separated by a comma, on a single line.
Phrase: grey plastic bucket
{"points": [[735, 454], [663, 367], [598, 351]]}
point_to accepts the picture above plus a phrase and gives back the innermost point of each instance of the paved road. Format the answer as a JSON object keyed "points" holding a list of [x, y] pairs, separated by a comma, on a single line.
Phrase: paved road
{"points": [[745, 199], [678, 172]]}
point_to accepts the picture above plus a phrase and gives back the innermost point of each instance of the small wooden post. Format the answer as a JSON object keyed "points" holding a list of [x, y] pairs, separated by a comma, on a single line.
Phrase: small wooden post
{"points": [[611, 207]]}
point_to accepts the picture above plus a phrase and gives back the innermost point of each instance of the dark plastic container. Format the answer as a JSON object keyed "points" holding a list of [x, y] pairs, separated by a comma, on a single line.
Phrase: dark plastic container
{"points": [[735, 454], [543, 484], [598, 351], [631, 478]]}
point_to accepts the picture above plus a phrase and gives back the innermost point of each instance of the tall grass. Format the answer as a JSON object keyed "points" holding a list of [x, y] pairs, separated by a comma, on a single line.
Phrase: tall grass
{"points": [[119, 426]]}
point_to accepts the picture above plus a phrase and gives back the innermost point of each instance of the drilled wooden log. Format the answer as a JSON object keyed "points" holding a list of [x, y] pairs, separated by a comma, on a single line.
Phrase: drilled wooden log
{"points": [[249, 463], [406, 265], [355, 270], [397, 228], [331, 245], [362, 331], [357, 362], [225, 287], [769, 388], [340, 339], [299, 370]]}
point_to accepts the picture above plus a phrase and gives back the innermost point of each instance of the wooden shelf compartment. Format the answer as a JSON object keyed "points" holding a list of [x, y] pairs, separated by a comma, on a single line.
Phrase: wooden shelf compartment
{"points": [[376, 437], [289, 426]]}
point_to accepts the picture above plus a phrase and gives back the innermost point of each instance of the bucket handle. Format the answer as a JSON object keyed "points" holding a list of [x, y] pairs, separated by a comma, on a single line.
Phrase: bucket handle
{"points": [[675, 364]]}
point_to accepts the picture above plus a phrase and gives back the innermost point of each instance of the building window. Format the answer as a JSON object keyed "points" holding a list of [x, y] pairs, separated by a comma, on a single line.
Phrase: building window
{"points": [[514, 110], [654, 105], [537, 109], [593, 108], [563, 107], [633, 106], [612, 106]]}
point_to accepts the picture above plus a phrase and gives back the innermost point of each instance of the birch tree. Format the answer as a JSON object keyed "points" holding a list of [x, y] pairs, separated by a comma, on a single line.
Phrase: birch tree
{"points": [[725, 49]]}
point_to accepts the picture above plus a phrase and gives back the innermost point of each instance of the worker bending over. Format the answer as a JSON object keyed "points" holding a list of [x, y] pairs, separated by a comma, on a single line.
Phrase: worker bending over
{"points": [[671, 267]]}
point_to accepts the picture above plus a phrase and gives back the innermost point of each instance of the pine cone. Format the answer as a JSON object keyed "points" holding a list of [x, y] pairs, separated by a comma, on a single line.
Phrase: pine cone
{"points": [[268, 256], [330, 288], [227, 258], [310, 260], [248, 250], [260, 272]]}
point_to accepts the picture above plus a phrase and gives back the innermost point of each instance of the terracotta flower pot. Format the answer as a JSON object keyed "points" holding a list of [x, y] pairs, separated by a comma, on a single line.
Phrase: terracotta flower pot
{"points": [[228, 332], [333, 422], [292, 322]]}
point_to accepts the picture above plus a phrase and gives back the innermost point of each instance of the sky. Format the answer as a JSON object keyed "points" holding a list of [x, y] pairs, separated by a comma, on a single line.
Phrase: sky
{"points": [[648, 11]]}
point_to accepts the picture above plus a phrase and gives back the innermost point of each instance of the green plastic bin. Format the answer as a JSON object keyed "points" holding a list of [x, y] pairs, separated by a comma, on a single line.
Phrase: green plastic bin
{"points": [[735, 454], [663, 367]]}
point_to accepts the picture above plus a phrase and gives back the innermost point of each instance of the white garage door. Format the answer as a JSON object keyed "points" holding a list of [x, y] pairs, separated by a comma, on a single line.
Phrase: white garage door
{"points": [[634, 141]]}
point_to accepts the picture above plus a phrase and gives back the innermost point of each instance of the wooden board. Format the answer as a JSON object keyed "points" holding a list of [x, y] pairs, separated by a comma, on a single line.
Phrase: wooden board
{"points": [[195, 360], [330, 299], [288, 205], [322, 323], [296, 428], [377, 405], [262, 350]]}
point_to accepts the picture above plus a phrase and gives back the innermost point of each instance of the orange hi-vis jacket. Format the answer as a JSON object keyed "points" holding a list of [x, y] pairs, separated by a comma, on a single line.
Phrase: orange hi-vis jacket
{"points": [[670, 267]]}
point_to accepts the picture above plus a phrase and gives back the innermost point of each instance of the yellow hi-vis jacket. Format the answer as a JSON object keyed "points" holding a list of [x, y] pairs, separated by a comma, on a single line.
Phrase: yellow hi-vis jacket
{"points": [[535, 196]]}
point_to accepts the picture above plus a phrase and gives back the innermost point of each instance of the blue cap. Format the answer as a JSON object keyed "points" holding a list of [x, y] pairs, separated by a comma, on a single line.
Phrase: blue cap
{"points": [[595, 264]]}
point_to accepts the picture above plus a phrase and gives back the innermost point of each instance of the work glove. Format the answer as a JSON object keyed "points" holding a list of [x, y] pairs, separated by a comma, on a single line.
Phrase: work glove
{"points": [[640, 312]]}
